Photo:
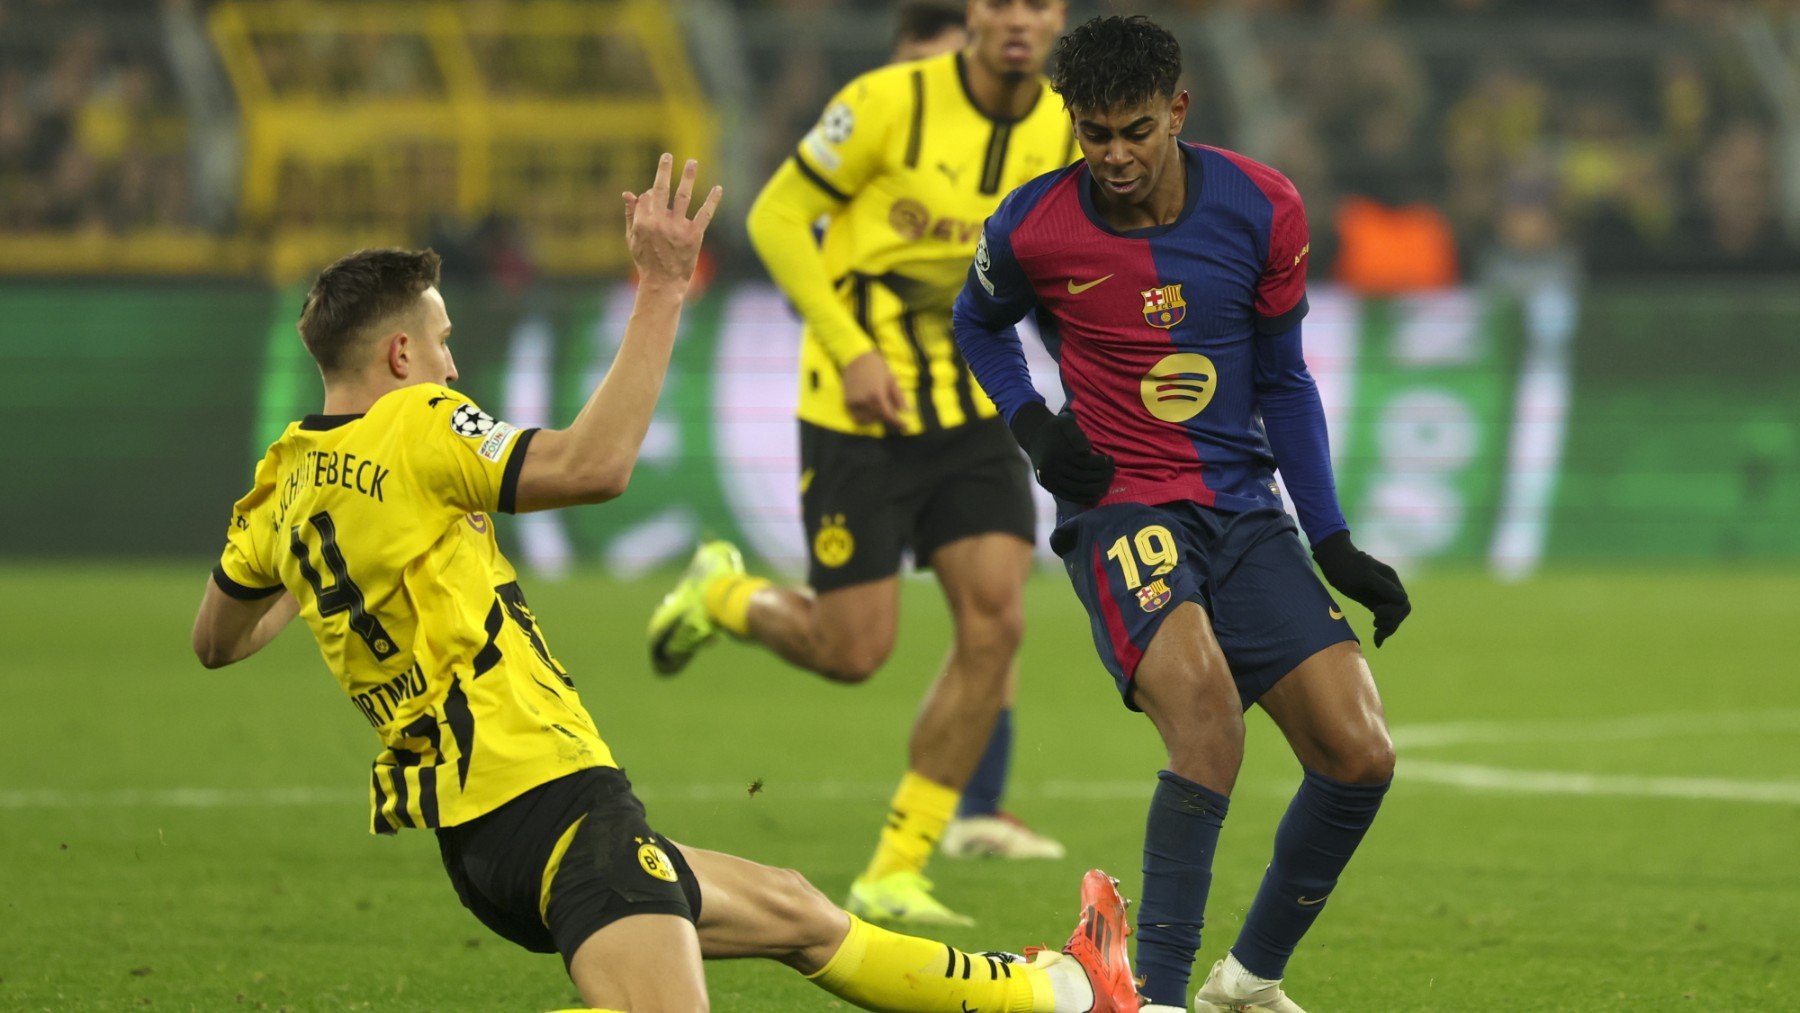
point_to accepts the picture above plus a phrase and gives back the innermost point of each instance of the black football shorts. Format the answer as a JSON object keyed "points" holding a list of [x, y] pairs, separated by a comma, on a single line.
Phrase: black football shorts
{"points": [[867, 499], [564, 860]]}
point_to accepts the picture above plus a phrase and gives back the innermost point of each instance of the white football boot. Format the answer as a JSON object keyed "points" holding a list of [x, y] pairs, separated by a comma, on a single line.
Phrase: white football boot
{"points": [[1231, 988], [1000, 836]]}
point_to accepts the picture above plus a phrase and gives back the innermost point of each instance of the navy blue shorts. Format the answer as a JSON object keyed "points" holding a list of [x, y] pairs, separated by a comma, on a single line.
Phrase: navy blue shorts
{"points": [[1132, 564]]}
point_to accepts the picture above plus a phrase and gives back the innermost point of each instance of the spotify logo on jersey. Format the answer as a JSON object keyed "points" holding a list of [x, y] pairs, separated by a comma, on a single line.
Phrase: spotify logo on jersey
{"points": [[1179, 387]]}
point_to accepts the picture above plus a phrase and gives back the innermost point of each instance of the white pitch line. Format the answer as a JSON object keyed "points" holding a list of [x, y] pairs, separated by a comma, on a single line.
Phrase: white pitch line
{"points": [[1469, 777], [171, 798], [1558, 782], [1623, 729], [803, 791]]}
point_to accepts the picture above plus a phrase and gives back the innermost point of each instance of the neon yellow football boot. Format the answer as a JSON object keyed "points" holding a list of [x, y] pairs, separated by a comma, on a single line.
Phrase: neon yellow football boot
{"points": [[900, 898], [680, 626]]}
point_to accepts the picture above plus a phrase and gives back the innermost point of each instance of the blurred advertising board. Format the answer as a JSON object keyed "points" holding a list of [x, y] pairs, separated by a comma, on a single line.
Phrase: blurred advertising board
{"points": [[1467, 427]]}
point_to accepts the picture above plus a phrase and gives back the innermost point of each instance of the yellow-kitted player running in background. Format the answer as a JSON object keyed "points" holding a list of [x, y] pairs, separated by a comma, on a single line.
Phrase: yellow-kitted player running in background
{"points": [[900, 449]]}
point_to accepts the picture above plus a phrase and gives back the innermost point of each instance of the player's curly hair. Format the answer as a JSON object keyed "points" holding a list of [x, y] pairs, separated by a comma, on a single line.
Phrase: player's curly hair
{"points": [[357, 292], [1116, 62]]}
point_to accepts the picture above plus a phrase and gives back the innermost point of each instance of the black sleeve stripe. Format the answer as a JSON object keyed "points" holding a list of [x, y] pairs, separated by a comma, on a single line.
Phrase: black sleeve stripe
{"points": [[239, 591], [915, 134], [820, 181], [1284, 322], [509, 479]]}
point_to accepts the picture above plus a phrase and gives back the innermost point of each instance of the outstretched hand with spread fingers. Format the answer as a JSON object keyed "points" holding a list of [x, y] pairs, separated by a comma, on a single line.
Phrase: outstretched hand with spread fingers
{"points": [[664, 241]]}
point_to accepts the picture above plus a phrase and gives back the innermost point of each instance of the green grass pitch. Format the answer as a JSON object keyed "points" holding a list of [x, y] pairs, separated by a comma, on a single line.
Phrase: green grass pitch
{"points": [[1598, 804]]}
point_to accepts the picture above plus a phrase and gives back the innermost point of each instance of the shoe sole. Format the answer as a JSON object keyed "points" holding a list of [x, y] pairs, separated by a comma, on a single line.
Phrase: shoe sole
{"points": [[1103, 928], [977, 851], [888, 917], [660, 662], [665, 664]]}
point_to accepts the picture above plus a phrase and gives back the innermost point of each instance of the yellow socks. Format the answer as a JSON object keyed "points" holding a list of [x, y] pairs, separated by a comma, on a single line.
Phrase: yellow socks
{"points": [[921, 809], [728, 601], [881, 970]]}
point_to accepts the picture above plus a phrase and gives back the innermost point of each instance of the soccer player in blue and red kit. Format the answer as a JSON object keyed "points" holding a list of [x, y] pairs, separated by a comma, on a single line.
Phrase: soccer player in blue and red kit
{"points": [[1168, 280]]}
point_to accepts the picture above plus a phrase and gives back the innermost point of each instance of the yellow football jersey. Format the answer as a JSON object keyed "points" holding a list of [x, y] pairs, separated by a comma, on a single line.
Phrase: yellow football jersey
{"points": [[908, 168], [379, 524]]}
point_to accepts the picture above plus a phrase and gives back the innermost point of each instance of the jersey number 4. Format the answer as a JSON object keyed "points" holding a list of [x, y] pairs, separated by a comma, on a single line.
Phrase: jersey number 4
{"points": [[343, 595]]}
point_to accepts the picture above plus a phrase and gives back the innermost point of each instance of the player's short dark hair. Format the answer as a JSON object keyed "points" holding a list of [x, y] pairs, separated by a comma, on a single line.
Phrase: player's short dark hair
{"points": [[922, 20], [358, 291], [1116, 62]]}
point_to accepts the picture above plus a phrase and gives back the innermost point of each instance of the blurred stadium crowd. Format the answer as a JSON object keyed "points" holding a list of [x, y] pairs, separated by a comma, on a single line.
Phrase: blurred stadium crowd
{"points": [[93, 135], [1431, 138]]}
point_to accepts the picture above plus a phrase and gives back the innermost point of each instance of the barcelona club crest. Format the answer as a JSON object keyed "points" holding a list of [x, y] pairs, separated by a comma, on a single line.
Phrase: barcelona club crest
{"points": [[1154, 595], [1164, 307]]}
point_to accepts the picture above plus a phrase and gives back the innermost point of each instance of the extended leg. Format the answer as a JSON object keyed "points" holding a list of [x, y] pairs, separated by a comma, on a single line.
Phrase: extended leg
{"points": [[751, 910], [987, 784], [982, 828], [1184, 685], [1330, 712], [844, 635], [646, 963], [984, 582], [983, 579]]}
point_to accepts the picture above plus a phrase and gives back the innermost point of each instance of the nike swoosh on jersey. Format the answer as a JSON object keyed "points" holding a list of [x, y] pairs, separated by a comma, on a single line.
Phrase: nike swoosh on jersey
{"points": [[1075, 289], [1335, 614]]}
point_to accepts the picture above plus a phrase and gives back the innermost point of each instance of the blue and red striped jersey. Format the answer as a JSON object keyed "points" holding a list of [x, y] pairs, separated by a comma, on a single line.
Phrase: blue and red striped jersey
{"points": [[1178, 345]]}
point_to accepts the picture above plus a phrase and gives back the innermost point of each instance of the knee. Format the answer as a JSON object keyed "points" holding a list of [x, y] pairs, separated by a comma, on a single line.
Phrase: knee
{"points": [[814, 921], [1368, 762], [1205, 729], [990, 630], [852, 661]]}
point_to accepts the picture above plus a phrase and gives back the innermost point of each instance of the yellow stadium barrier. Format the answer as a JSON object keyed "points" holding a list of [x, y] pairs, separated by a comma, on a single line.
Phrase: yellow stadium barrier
{"points": [[371, 123], [364, 121]]}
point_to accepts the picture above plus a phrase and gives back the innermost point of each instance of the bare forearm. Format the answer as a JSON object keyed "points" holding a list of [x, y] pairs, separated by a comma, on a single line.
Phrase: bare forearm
{"points": [[228, 630], [270, 626], [610, 428], [591, 461]]}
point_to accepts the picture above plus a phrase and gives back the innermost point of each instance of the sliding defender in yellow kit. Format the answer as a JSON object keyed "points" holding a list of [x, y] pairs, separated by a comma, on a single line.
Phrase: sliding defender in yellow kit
{"points": [[373, 521]]}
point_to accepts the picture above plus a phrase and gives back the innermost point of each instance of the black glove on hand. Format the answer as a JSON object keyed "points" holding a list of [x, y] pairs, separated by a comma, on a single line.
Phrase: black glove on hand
{"points": [[1364, 579], [1062, 457]]}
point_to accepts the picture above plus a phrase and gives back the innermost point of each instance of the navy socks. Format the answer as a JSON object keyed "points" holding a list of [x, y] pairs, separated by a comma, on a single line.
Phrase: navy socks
{"points": [[981, 796], [1180, 837], [1323, 826]]}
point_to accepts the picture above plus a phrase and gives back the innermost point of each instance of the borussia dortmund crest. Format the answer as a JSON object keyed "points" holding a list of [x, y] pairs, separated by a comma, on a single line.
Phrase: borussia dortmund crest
{"points": [[655, 861], [1164, 307], [834, 545]]}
